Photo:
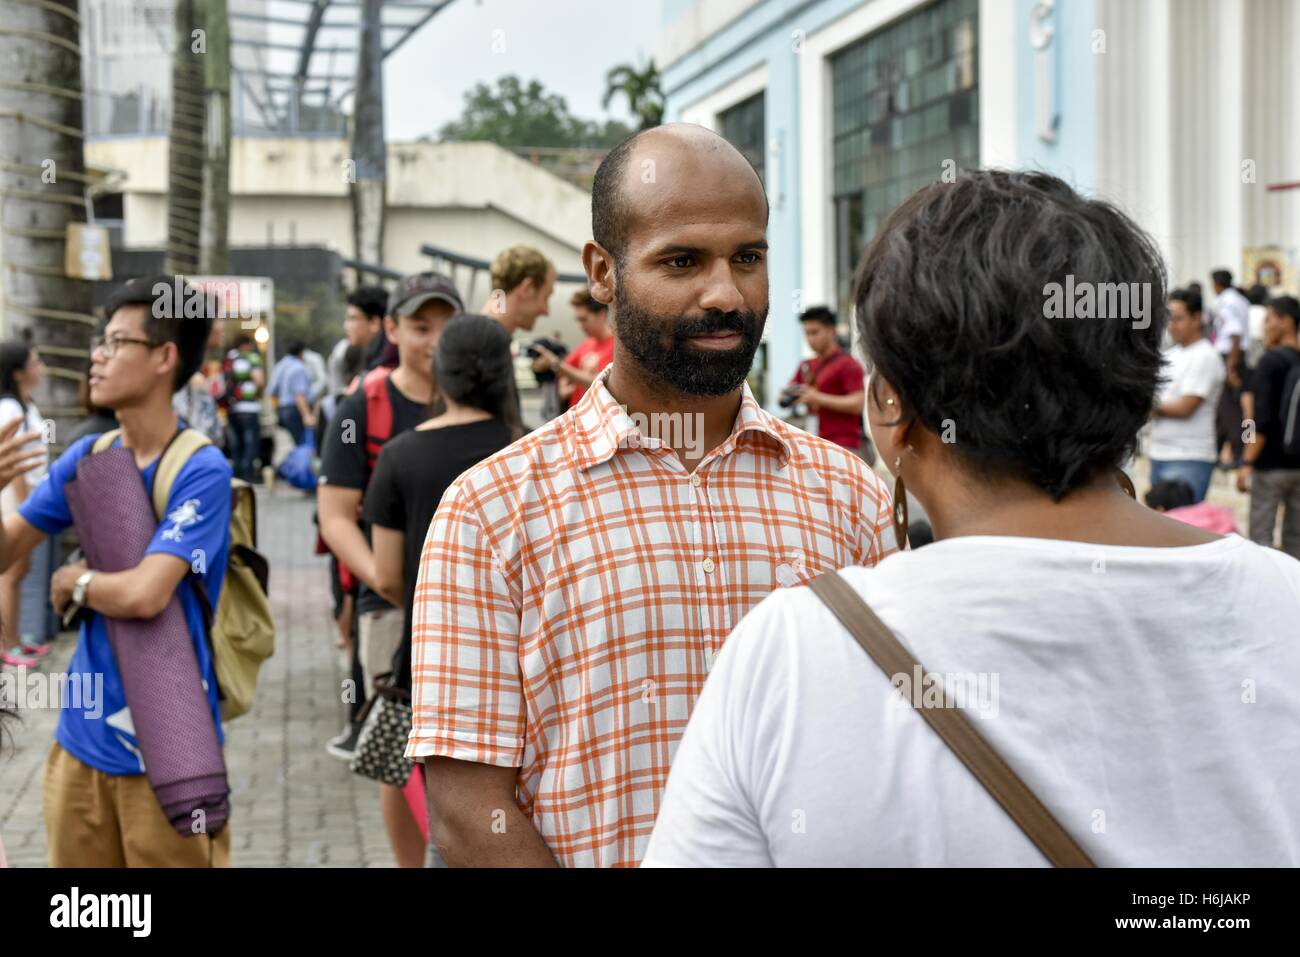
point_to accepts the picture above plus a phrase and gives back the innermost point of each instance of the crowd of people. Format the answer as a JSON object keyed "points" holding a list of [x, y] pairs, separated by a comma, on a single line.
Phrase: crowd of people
{"points": [[1216, 409], [586, 640]]}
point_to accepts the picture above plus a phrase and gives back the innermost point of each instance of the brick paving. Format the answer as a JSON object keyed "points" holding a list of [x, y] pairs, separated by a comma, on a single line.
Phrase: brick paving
{"points": [[292, 804]]}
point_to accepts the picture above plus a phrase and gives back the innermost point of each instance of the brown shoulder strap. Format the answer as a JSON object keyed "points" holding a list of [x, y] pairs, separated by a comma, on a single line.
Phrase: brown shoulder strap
{"points": [[953, 726]]}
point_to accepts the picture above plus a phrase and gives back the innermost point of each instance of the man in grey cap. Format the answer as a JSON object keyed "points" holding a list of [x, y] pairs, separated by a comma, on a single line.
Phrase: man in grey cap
{"points": [[387, 402]]}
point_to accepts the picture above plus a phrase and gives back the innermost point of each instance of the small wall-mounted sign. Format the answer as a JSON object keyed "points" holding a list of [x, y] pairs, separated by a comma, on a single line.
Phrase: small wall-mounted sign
{"points": [[86, 253]]}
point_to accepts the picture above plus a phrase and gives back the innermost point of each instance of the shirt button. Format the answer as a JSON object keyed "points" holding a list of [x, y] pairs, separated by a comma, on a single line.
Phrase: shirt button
{"points": [[707, 565], [696, 480]]}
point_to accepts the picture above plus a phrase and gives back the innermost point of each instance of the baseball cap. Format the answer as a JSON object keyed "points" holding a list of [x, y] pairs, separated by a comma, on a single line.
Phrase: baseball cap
{"points": [[414, 291]]}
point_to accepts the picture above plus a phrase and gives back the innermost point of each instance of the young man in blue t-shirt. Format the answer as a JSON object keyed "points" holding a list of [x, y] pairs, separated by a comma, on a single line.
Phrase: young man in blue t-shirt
{"points": [[99, 808]]}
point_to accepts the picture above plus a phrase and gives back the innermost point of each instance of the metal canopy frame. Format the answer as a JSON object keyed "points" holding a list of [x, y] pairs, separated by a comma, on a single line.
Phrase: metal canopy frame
{"points": [[281, 40]]}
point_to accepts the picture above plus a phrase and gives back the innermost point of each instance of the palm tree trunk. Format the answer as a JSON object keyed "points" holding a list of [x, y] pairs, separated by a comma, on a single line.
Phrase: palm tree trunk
{"points": [[185, 156], [42, 190], [214, 255]]}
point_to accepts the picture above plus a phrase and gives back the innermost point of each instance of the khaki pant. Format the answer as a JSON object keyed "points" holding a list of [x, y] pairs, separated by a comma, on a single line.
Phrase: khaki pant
{"points": [[380, 635], [93, 819], [1270, 490]]}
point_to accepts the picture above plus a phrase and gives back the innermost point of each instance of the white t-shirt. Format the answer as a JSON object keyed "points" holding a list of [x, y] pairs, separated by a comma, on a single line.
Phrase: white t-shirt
{"points": [[1149, 696], [10, 409], [1189, 370], [1232, 311]]}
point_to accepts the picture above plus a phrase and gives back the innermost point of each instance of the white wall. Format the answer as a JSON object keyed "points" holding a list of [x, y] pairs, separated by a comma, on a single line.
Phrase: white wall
{"points": [[471, 198], [1189, 90]]}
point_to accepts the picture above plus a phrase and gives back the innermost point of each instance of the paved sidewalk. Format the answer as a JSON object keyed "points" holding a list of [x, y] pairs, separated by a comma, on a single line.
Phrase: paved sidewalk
{"points": [[292, 804]]}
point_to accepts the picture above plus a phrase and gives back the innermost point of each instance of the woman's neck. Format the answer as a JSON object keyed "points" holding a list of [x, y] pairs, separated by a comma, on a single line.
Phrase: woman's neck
{"points": [[1100, 513], [455, 415]]}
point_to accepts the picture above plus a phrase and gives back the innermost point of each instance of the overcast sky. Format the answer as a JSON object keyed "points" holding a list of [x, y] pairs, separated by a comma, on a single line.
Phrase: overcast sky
{"points": [[567, 44]]}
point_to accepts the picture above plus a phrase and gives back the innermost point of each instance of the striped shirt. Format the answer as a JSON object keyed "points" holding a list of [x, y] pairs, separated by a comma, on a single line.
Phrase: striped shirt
{"points": [[575, 587]]}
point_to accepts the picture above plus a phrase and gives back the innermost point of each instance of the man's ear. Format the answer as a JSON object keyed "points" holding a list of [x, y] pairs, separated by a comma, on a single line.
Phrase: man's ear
{"points": [[390, 329], [599, 266], [169, 358]]}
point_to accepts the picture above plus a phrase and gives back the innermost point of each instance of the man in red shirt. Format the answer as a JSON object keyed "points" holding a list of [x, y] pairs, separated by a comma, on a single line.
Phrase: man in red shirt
{"points": [[580, 368], [831, 383]]}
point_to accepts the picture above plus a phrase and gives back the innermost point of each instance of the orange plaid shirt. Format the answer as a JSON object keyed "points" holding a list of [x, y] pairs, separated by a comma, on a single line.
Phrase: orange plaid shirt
{"points": [[574, 588]]}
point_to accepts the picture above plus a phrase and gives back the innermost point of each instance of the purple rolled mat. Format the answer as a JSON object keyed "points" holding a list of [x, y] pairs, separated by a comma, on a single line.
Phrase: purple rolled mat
{"points": [[160, 671]]}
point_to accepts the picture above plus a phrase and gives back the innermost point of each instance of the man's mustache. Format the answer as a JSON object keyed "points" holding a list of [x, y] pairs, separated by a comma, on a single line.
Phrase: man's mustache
{"points": [[741, 323]]}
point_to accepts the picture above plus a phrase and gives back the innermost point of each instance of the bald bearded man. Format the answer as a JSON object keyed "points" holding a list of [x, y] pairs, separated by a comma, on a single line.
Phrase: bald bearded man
{"points": [[575, 588]]}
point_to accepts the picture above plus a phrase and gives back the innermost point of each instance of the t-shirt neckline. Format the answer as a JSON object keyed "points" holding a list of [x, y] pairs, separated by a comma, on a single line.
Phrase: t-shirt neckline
{"points": [[1063, 546]]}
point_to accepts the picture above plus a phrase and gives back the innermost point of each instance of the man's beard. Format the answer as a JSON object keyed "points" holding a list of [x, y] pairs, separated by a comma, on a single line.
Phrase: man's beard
{"points": [[661, 345]]}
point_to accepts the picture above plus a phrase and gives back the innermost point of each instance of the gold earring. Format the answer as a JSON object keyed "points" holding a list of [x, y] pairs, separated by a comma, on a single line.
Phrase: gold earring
{"points": [[1125, 483], [900, 505]]}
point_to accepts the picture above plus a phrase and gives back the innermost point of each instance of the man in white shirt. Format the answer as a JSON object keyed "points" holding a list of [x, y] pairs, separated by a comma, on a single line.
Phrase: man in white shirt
{"points": [[1183, 442], [1231, 334]]}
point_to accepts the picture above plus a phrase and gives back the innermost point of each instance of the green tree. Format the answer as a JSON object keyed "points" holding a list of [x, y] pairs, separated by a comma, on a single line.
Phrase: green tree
{"points": [[516, 114], [645, 97]]}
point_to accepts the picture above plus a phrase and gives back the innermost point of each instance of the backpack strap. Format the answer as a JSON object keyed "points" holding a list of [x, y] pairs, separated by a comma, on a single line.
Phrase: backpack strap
{"points": [[956, 730], [379, 413], [178, 451], [105, 441]]}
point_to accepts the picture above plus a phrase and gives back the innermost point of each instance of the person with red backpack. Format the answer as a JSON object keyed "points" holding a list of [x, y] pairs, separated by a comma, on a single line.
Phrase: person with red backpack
{"points": [[385, 402]]}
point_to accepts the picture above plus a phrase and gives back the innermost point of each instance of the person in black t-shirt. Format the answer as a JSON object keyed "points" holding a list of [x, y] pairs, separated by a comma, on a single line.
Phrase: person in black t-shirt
{"points": [[419, 308], [414, 469], [1272, 476]]}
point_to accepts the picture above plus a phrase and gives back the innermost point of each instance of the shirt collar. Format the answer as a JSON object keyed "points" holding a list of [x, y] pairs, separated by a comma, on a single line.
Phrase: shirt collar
{"points": [[602, 427]]}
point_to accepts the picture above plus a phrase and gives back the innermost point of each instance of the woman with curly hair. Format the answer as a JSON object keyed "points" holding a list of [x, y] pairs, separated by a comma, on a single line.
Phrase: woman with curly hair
{"points": [[1112, 656]]}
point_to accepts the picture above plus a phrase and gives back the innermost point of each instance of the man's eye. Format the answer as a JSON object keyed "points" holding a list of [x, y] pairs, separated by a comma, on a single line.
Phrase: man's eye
{"points": [[679, 262], [751, 258]]}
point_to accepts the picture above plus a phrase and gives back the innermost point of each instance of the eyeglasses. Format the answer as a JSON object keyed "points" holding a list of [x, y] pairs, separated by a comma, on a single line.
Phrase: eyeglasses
{"points": [[109, 347]]}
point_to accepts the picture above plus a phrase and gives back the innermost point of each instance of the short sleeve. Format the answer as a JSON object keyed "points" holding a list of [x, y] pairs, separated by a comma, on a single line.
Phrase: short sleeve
{"points": [[574, 358], [197, 520], [383, 503], [10, 409], [343, 454], [299, 381], [46, 509], [1205, 376], [851, 376], [466, 687]]}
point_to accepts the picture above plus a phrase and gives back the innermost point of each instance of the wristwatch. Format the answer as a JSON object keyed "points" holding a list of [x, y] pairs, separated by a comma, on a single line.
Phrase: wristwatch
{"points": [[79, 589]]}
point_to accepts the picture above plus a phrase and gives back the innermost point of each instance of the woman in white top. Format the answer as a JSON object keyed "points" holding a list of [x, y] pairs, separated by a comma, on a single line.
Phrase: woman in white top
{"points": [[1141, 676], [21, 373], [16, 457]]}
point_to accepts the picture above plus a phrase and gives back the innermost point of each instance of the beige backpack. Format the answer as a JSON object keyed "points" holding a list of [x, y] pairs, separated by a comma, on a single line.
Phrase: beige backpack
{"points": [[241, 631]]}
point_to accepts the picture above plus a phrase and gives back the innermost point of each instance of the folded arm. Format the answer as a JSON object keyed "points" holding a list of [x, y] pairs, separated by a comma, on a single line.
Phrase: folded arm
{"points": [[141, 592]]}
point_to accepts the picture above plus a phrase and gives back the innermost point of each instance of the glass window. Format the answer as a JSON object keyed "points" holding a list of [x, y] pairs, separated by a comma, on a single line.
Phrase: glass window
{"points": [[744, 127], [904, 100]]}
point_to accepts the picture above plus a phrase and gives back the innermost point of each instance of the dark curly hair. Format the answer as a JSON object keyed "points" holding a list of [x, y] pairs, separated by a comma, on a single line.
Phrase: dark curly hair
{"points": [[952, 309]]}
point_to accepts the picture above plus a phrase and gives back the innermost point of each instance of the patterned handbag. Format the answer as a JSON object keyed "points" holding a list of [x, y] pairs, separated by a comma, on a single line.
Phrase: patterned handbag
{"points": [[382, 743]]}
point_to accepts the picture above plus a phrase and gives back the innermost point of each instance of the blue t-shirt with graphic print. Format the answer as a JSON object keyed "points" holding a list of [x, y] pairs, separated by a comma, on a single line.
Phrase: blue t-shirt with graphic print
{"points": [[100, 732]]}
